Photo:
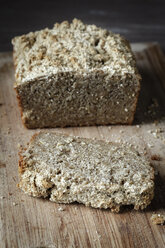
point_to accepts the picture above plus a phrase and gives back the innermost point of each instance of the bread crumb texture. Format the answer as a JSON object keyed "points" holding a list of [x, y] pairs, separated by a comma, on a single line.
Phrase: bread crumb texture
{"points": [[75, 74], [158, 219], [68, 169]]}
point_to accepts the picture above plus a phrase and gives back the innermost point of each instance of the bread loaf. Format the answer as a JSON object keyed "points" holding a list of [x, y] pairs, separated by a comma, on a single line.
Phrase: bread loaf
{"points": [[74, 75], [68, 169]]}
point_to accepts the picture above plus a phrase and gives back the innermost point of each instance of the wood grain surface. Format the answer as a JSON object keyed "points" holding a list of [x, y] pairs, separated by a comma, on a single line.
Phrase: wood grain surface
{"points": [[29, 222]]}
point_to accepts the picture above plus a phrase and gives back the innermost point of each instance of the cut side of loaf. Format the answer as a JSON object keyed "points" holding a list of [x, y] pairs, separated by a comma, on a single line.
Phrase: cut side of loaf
{"points": [[99, 174], [75, 75]]}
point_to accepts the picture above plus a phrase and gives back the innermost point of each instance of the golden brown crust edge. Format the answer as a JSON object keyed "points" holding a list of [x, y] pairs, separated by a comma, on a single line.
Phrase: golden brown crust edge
{"points": [[17, 95], [21, 164], [136, 100]]}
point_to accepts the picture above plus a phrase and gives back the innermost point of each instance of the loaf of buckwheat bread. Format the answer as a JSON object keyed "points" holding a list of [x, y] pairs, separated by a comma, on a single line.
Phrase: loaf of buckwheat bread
{"points": [[99, 174], [73, 75]]}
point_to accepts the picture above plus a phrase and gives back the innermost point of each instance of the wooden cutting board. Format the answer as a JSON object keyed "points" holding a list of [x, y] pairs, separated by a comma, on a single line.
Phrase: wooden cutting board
{"points": [[28, 222]]}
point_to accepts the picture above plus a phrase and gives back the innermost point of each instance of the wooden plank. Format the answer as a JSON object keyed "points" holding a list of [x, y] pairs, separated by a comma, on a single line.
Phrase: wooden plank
{"points": [[29, 222]]}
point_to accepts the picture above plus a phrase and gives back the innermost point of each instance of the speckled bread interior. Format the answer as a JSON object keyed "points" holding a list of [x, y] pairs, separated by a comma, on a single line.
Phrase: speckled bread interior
{"points": [[73, 75], [68, 169]]}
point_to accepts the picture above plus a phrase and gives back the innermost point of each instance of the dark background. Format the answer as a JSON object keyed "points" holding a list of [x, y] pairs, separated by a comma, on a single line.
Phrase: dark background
{"points": [[137, 20]]}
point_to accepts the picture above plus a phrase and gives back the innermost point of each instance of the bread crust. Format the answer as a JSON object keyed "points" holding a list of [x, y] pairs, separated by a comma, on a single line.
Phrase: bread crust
{"points": [[21, 164], [136, 101]]}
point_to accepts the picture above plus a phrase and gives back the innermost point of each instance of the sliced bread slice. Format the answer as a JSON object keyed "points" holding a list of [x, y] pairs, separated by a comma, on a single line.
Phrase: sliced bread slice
{"points": [[96, 173]]}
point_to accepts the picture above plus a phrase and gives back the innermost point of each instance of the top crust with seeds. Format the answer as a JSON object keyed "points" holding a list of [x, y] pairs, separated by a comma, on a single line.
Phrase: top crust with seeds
{"points": [[72, 47]]}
